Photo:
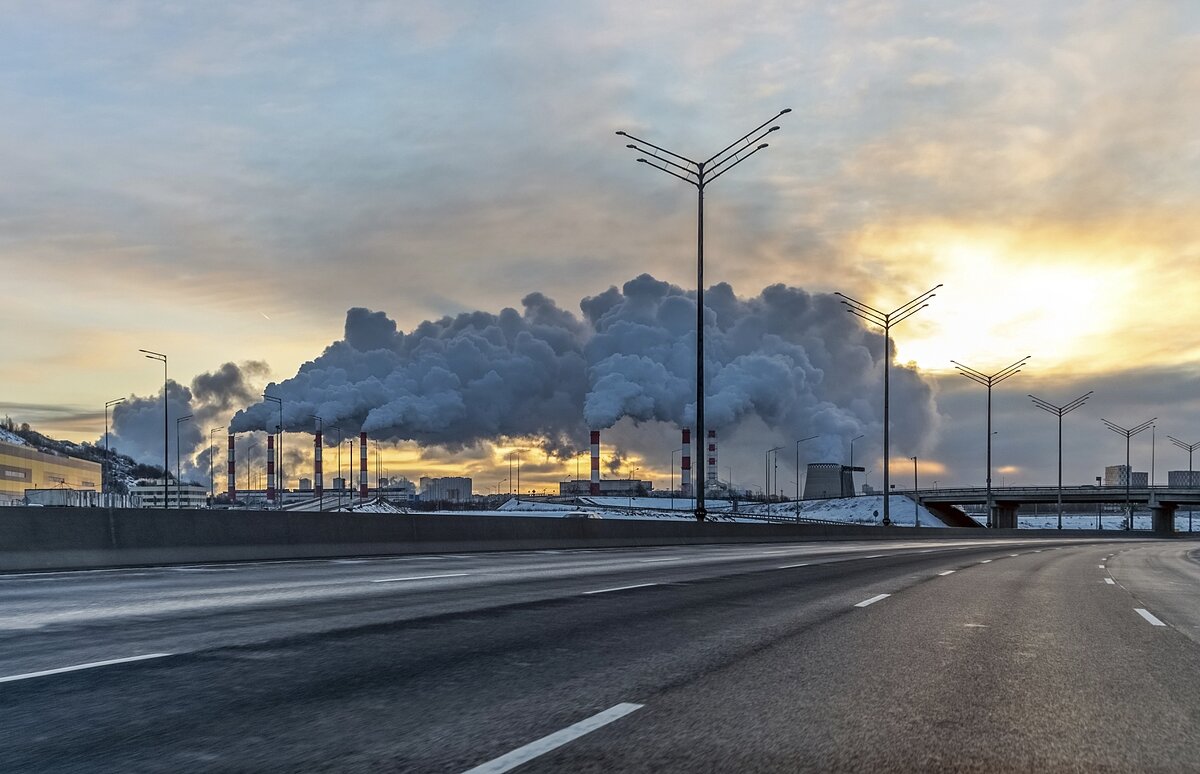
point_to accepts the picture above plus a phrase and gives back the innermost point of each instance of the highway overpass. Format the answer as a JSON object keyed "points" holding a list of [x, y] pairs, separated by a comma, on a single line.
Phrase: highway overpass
{"points": [[1162, 502]]}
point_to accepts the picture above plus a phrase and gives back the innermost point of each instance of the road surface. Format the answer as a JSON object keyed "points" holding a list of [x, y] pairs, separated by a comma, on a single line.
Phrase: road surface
{"points": [[1030, 655]]}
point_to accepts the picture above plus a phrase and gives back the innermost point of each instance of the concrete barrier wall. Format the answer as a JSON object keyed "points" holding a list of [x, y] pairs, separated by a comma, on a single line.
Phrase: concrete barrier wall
{"points": [[78, 538]]}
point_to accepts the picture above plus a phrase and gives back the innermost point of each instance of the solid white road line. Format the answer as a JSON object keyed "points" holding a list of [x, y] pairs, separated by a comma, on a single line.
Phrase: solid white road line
{"points": [[790, 566], [510, 761], [1110, 581], [421, 577], [621, 588], [947, 572], [1144, 613], [77, 667], [872, 600]]}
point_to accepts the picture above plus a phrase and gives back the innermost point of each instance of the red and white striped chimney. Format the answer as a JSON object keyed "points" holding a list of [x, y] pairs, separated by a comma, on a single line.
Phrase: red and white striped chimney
{"points": [[594, 486], [270, 468], [685, 465], [362, 466], [232, 467], [318, 474], [711, 471]]}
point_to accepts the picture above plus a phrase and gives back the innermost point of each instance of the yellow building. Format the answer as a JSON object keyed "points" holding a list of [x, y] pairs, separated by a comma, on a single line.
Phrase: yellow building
{"points": [[22, 467]]}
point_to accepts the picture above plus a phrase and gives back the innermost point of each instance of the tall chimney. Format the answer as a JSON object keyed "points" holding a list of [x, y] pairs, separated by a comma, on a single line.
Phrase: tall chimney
{"points": [[712, 471], [685, 465], [362, 466], [270, 468], [232, 467], [318, 475], [594, 486]]}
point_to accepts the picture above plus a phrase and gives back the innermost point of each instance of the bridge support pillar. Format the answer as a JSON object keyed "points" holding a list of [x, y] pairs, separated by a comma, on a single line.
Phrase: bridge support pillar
{"points": [[1005, 515], [1163, 517]]}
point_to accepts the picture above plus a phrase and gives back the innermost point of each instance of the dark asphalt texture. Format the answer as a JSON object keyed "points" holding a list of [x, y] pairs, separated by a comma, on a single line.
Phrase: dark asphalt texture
{"points": [[1024, 663]]}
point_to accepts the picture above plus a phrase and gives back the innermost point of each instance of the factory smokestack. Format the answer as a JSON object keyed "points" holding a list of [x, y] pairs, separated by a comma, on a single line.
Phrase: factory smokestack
{"points": [[362, 466], [712, 471], [318, 473], [685, 465], [232, 467], [594, 486], [270, 468]]}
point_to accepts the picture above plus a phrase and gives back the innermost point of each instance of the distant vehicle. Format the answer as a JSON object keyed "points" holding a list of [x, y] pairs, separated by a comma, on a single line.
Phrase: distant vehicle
{"points": [[582, 515]]}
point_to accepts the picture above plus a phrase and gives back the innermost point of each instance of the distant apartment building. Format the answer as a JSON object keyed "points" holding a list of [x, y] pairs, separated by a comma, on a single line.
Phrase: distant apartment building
{"points": [[1118, 475], [448, 489], [1183, 478]]}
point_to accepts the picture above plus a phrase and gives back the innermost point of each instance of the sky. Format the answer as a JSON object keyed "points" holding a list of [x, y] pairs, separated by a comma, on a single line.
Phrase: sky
{"points": [[223, 181]]}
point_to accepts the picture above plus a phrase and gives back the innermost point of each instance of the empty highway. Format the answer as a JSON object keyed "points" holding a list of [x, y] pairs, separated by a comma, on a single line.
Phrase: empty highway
{"points": [[934, 655]]}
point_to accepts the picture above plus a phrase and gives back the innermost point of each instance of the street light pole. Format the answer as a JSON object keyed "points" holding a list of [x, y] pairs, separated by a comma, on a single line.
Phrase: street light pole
{"points": [[166, 461], [178, 490], [1189, 448], [886, 320], [767, 474], [802, 440], [104, 475], [916, 497], [1128, 433], [700, 174], [989, 381], [1060, 412]]}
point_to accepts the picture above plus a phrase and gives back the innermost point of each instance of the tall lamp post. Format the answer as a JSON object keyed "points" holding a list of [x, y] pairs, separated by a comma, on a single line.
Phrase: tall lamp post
{"points": [[212, 482], [1128, 433], [178, 490], [104, 476], [700, 174], [802, 440], [166, 461], [1060, 412], [886, 320], [767, 488], [1189, 448], [916, 497], [989, 381]]}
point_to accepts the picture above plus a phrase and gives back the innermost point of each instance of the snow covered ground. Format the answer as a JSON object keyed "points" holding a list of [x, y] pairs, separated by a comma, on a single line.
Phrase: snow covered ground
{"points": [[849, 510]]}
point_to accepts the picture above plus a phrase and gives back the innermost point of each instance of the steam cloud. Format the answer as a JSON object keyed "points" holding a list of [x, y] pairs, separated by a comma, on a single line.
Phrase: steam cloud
{"points": [[794, 360]]}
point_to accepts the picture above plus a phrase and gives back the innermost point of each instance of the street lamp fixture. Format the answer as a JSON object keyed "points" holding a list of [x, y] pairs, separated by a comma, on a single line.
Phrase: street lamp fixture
{"points": [[700, 174], [1189, 448], [886, 320], [989, 381], [767, 487], [802, 440], [105, 484], [160, 357], [1060, 412], [1128, 433], [916, 496]]}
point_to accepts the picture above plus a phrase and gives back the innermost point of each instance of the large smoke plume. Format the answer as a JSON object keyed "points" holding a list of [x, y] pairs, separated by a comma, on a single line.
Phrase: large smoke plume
{"points": [[794, 361]]}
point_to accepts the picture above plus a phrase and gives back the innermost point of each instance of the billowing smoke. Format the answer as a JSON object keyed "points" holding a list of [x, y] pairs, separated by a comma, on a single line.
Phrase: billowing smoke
{"points": [[792, 361], [137, 424]]}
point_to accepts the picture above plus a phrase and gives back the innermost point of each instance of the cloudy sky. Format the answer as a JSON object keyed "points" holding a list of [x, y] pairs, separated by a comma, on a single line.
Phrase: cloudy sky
{"points": [[223, 181]]}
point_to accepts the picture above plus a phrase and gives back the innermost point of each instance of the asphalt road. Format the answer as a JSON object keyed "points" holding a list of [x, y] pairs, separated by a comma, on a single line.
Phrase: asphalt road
{"points": [[925, 655]]}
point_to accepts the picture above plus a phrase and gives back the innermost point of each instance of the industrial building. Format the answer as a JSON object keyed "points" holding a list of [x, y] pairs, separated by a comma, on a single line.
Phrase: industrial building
{"points": [[828, 479], [151, 494], [22, 467], [448, 489], [607, 487]]}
